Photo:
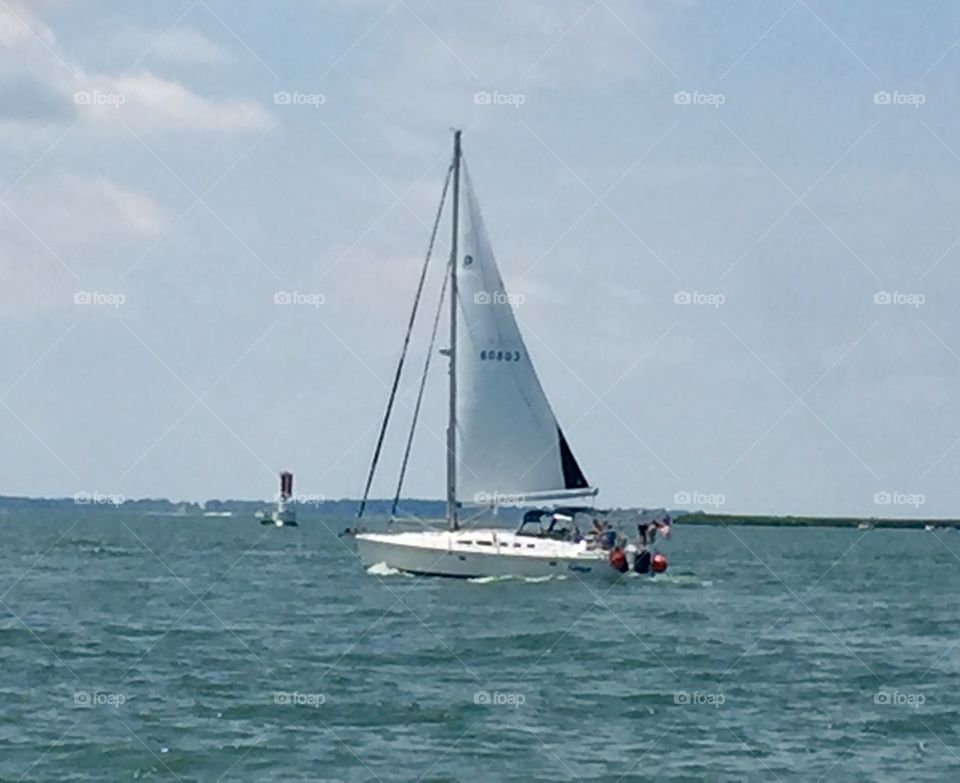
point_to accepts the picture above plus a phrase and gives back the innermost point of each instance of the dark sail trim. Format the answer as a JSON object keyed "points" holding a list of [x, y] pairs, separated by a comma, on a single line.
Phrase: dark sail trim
{"points": [[573, 477]]}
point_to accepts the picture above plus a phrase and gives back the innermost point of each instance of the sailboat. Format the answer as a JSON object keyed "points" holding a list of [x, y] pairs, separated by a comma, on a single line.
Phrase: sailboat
{"points": [[503, 442]]}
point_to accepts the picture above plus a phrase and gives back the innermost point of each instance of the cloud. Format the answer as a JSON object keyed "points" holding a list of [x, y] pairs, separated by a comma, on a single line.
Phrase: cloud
{"points": [[77, 210], [41, 84], [17, 24], [148, 102], [130, 211], [65, 226], [189, 46]]}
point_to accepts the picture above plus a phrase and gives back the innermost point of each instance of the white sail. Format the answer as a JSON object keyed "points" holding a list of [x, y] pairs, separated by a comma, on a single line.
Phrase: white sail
{"points": [[510, 447]]}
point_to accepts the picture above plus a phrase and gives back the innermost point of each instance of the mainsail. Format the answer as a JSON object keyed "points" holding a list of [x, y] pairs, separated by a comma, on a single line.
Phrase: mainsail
{"points": [[509, 447]]}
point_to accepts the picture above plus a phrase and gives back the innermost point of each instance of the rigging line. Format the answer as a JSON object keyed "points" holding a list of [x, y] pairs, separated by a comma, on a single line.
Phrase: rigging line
{"points": [[423, 383], [406, 344]]}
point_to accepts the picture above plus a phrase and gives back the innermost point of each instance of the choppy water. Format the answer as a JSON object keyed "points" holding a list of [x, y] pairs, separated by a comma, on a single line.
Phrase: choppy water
{"points": [[208, 649]]}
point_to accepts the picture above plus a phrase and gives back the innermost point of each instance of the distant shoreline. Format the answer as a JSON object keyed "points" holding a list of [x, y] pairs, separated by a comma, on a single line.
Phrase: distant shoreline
{"points": [[341, 508], [749, 520]]}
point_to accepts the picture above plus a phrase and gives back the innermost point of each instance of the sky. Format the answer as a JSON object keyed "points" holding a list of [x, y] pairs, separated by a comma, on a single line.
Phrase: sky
{"points": [[734, 228]]}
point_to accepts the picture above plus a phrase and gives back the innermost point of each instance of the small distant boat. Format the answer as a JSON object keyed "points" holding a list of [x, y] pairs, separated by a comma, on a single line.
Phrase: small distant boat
{"points": [[504, 445], [929, 527], [284, 515], [218, 514], [865, 526]]}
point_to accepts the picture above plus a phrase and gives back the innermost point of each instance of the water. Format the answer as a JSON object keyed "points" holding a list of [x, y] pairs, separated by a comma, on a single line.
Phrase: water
{"points": [[207, 649]]}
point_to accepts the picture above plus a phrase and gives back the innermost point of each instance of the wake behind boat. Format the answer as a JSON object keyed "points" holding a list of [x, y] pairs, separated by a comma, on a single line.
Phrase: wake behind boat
{"points": [[504, 444]]}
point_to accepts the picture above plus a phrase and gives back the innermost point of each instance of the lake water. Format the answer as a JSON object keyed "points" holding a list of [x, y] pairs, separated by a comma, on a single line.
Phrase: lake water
{"points": [[217, 649]]}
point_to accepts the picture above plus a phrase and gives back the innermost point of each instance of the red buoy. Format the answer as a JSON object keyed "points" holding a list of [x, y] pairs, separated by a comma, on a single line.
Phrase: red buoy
{"points": [[658, 563]]}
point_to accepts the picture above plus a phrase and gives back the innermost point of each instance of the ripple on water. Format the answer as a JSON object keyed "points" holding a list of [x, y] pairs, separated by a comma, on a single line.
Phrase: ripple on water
{"points": [[588, 680]]}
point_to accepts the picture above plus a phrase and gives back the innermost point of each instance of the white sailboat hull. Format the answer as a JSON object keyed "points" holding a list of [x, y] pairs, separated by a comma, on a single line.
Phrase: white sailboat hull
{"points": [[483, 553]]}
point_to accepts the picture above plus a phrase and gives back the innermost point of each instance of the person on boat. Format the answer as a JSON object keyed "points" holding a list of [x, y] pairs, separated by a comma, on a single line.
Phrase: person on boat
{"points": [[593, 534], [649, 530], [663, 526], [641, 560], [608, 539], [602, 535], [641, 563], [646, 533]]}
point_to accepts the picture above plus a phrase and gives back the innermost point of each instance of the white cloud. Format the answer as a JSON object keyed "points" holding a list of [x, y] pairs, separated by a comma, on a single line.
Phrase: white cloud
{"points": [[43, 85], [133, 212], [148, 102], [17, 24], [71, 225], [186, 45], [77, 210]]}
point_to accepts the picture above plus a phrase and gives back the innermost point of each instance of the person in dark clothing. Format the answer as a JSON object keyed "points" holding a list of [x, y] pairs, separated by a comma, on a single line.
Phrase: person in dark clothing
{"points": [[647, 532], [642, 564]]}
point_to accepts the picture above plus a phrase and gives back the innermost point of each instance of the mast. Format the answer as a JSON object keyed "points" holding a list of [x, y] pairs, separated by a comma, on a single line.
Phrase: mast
{"points": [[454, 301]]}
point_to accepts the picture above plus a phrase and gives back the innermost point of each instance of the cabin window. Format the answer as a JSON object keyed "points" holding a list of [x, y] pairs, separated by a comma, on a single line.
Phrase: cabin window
{"points": [[485, 543], [499, 356], [483, 355], [509, 356], [529, 546], [516, 356]]}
